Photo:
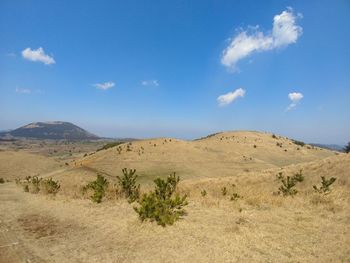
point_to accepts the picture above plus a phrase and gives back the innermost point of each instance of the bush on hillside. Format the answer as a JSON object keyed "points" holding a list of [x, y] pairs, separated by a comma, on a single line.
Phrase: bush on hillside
{"points": [[109, 145], [162, 205], [325, 185], [51, 186], [300, 143], [288, 183], [347, 148], [2, 181], [99, 187], [128, 185]]}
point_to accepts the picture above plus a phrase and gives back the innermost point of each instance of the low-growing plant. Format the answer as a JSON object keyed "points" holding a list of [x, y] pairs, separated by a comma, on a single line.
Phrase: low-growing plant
{"points": [[99, 187], [235, 196], [2, 181], [51, 186], [35, 181], [119, 149], [204, 193], [274, 136], [26, 188], [299, 176], [325, 185], [289, 183], [128, 185], [108, 145], [300, 143], [162, 205], [224, 191]]}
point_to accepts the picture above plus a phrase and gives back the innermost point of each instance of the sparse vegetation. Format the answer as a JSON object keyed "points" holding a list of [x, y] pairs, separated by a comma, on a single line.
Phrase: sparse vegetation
{"points": [[224, 191], [99, 187], [109, 145], [51, 186], [2, 181], [35, 181], [325, 185], [274, 136], [128, 185], [203, 193], [162, 205], [300, 143], [347, 148], [288, 183]]}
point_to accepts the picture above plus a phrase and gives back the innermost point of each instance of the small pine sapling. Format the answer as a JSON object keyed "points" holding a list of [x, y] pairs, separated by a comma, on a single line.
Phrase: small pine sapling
{"points": [[325, 185], [128, 185], [99, 187]]}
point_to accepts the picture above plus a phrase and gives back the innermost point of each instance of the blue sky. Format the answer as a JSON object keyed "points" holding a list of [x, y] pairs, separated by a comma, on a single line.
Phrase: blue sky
{"points": [[178, 68]]}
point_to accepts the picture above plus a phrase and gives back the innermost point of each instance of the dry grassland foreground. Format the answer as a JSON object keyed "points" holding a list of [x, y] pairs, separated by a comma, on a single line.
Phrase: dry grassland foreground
{"points": [[239, 209]]}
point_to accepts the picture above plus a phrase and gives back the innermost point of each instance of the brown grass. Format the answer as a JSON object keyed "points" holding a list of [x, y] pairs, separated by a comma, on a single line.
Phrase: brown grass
{"points": [[260, 227]]}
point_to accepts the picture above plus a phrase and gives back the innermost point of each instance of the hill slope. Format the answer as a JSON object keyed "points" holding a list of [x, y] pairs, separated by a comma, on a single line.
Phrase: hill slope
{"points": [[223, 154], [57, 130]]}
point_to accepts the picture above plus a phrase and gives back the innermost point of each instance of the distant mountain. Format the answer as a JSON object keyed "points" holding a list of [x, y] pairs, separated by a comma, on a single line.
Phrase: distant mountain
{"points": [[56, 130], [333, 147]]}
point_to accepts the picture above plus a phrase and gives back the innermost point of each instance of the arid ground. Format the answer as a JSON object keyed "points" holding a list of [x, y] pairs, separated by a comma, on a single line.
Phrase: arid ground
{"points": [[261, 226]]}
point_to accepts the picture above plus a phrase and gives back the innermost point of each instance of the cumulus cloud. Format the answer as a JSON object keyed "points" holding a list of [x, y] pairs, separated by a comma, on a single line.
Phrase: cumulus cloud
{"points": [[105, 86], [285, 31], [150, 83], [295, 98], [37, 55], [228, 98], [23, 91]]}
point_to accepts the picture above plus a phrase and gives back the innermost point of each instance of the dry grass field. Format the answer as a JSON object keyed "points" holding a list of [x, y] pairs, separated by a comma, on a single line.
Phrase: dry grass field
{"points": [[261, 226]]}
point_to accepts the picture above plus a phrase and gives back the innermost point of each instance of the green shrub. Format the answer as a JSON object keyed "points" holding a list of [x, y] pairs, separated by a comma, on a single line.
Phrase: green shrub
{"points": [[299, 176], [51, 186], [347, 148], [162, 205], [325, 184], [108, 145], [204, 193], [99, 187], [2, 180], [235, 196], [300, 143], [119, 149], [224, 191], [289, 183], [128, 185], [36, 181]]}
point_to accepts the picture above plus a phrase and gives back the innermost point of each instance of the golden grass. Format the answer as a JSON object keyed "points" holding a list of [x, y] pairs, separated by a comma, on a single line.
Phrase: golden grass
{"points": [[259, 227]]}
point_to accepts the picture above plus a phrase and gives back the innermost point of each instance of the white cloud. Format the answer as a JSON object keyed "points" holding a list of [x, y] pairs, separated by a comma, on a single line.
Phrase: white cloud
{"points": [[228, 98], [284, 32], [23, 91], [105, 86], [37, 55], [150, 83], [295, 98]]}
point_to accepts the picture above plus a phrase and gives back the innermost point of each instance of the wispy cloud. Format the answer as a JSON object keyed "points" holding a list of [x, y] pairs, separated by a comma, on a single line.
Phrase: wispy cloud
{"points": [[295, 98], [285, 31], [150, 83], [228, 98], [105, 85], [23, 91], [37, 55]]}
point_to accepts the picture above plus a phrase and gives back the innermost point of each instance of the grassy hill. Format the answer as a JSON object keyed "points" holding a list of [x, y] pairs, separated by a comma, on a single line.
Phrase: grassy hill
{"points": [[223, 154]]}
